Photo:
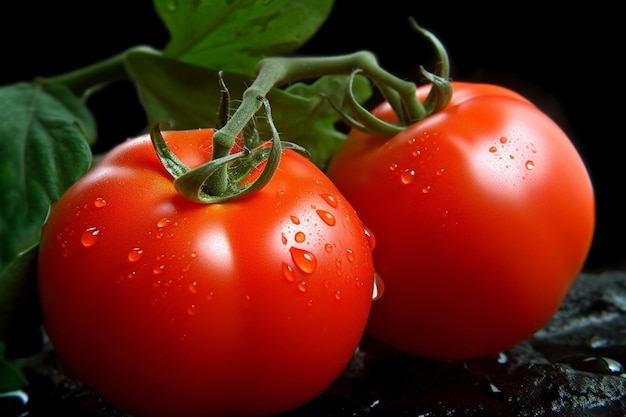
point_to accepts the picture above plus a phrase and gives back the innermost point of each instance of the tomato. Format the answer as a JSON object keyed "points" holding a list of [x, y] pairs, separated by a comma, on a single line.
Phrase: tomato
{"points": [[483, 215], [167, 307]]}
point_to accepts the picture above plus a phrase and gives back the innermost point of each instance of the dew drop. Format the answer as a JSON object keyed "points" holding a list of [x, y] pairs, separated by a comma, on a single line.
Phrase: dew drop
{"points": [[407, 176], [328, 247], [135, 254], [426, 189], [332, 201], [193, 287], [503, 140], [304, 260], [302, 286], [191, 310], [393, 167], [493, 149], [288, 272], [371, 239], [283, 238], [300, 237], [194, 254], [338, 295], [90, 237], [158, 269], [294, 219], [530, 164], [440, 172], [327, 217], [350, 255], [99, 202], [164, 222], [379, 287]]}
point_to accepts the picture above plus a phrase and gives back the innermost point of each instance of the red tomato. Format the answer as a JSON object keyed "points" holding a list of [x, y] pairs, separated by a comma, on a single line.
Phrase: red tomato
{"points": [[483, 215], [166, 307]]}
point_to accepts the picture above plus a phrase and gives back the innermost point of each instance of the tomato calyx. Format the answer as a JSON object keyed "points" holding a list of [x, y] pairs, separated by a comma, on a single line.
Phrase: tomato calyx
{"points": [[223, 178]]}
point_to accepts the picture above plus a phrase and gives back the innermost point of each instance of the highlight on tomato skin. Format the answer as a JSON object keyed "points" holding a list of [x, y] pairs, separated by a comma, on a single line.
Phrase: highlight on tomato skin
{"points": [[166, 307], [484, 215]]}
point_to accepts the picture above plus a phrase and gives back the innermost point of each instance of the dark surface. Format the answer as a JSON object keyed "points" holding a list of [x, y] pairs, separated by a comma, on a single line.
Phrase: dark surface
{"points": [[573, 367]]}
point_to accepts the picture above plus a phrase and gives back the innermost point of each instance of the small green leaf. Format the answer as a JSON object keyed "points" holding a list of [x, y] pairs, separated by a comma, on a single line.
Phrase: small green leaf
{"points": [[233, 35], [188, 97], [20, 318], [45, 133], [10, 378]]}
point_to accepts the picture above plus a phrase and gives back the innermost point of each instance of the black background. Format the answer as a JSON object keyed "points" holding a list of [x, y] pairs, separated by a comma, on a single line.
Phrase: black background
{"points": [[565, 60]]}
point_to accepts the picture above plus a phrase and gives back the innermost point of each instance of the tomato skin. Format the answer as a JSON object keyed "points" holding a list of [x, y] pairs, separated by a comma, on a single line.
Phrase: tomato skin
{"points": [[483, 215], [166, 307]]}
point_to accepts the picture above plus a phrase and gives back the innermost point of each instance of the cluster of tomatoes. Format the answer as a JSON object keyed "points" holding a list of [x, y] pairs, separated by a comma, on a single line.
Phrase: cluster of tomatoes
{"points": [[476, 219]]}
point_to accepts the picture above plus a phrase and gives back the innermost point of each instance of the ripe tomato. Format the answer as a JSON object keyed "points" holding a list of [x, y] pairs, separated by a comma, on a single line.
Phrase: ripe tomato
{"points": [[483, 215], [166, 307]]}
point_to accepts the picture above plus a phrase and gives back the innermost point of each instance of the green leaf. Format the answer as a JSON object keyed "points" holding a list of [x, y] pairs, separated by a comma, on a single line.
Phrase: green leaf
{"points": [[233, 35], [20, 317], [188, 97], [10, 378], [45, 133]]}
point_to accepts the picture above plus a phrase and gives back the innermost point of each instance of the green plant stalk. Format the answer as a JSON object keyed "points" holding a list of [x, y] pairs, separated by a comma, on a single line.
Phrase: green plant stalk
{"points": [[85, 81]]}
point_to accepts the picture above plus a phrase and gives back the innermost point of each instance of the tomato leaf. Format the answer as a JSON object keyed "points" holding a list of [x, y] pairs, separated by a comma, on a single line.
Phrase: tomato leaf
{"points": [[10, 378], [45, 134], [20, 317], [234, 35], [188, 96]]}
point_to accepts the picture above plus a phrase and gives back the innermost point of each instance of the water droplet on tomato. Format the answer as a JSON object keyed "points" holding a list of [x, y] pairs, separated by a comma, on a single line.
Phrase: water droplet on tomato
{"points": [[302, 286], [338, 295], [350, 255], [294, 219], [426, 189], [407, 176], [90, 237], [194, 254], [327, 217], [300, 237], [530, 164], [304, 260], [332, 201], [158, 269], [503, 140], [371, 239], [310, 302], [283, 238], [393, 167], [135, 254], [379, 287], [99, 202], [288, 272], [440, 172], [192, 310], [328, 247], [193, 287], [164, 222], [493, 149]]}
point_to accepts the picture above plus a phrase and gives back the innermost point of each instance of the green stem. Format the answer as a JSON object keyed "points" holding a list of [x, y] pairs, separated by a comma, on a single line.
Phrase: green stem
{"points": [[276, 71], [84, 81]]}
